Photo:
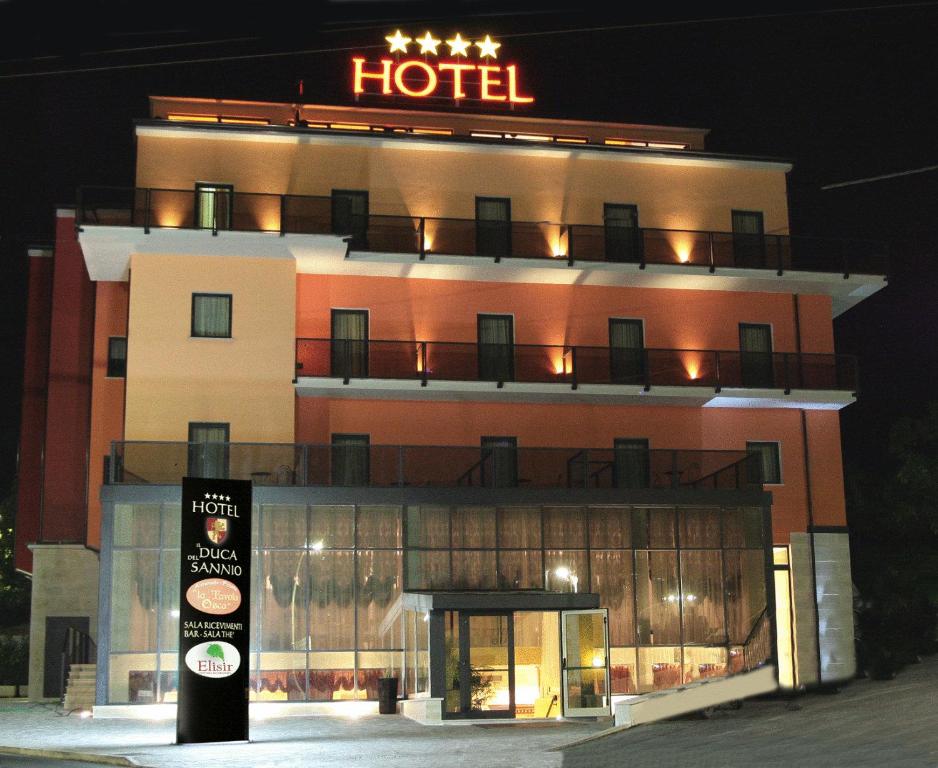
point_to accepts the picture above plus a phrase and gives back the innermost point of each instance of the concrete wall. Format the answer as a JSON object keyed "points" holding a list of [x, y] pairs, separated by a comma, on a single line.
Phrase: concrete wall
{"points": [[65, 583]]}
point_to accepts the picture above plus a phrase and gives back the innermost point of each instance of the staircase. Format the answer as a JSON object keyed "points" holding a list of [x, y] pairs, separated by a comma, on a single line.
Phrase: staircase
{"points": [[78, 654], [79, 693]]}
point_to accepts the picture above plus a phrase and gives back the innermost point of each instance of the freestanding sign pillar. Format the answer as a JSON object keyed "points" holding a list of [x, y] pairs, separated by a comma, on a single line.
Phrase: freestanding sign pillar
{"points": [[214, 611]]}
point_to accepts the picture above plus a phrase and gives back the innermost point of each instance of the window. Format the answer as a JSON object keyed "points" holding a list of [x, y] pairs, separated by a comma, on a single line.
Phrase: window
{"points": [[748, 239], [626, 351], [350, 343], [493, 226], [213, 203], [208, 449], [500, 462], [755, 355], [631, 463], [117, 357], [623, 237], [770, 463], [496, 348], [350, 216], [211, 315], [350, 460]]}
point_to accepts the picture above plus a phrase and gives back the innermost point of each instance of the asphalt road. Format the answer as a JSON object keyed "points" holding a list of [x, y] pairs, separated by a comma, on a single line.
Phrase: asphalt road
{"points": [[15, 761]]}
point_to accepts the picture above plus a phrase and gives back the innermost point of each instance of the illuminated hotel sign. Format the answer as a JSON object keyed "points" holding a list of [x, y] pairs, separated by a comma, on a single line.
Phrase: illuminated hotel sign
{"points": [[469, 71], [214, 611]]}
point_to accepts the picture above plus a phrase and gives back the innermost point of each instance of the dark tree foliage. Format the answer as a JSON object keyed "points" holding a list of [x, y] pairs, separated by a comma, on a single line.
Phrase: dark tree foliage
{"points": [[893, 516], [14, 587]]}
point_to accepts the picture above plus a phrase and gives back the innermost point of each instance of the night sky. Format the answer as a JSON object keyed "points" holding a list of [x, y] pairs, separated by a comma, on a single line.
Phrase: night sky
{"points": [[844, 95]]}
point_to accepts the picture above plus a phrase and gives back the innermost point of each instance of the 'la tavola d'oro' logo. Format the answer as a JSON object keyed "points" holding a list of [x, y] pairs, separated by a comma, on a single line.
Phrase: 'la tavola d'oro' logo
{"points": [[216, 528], [218, 597], [213, 659]]}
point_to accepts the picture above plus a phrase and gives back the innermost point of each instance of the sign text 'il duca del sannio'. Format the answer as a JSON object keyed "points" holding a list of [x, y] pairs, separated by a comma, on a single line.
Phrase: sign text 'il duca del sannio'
{"points": [[214, 611], [454, 69]]}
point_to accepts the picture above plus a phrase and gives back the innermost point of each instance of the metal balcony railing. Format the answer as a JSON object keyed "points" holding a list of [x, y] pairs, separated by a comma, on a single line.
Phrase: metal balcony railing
{"points": [[422, 235], [390, 466], [428, 361]]}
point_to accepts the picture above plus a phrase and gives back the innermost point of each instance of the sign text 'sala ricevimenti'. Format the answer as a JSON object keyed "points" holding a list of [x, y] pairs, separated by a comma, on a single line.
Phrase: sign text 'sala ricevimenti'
{"points": [[470, 70]]}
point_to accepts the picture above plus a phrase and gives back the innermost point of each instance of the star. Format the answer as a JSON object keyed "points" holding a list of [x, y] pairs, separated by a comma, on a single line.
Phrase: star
{"points": [[488, 47], [227, 498], [214, 495], [428, 43], [398, 42], [458, 46], [208, 495]]}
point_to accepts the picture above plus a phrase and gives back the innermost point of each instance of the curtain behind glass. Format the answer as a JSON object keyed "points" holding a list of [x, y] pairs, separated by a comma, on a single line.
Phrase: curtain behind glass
{"points": [[349, 343], [208, 450], [214, 207], [755, 344], [350, 460], [211, 316], [500, 462], [748, 239], [493, 227], [631, 464], [623, 237], [496, 347], [626, 351]]}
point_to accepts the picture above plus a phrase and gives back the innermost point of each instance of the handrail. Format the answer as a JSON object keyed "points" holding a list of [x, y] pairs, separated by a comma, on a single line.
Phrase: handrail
{"points": [[711, 249], [78, 647]]}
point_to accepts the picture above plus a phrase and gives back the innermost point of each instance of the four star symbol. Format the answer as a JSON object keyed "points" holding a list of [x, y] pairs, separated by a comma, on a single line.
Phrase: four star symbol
{"points": [[488, 47], [398, 42], [428, 43], [218, 496]]}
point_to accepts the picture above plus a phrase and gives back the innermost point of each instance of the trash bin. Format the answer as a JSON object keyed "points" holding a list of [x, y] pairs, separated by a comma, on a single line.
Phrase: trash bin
{"points": [[387, 695]]}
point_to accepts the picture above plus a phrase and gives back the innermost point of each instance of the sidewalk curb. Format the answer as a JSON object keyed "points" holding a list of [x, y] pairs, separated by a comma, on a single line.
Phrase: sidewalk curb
{"points": [[64, 754]]}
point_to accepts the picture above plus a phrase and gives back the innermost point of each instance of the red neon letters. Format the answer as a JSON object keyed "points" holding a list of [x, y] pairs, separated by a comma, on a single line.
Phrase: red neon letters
{"points": [[448, 79]]}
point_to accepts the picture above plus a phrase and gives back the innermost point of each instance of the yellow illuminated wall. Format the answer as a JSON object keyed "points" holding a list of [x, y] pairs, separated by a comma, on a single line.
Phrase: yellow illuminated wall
{"points": [[246, 380], [417, 179]]}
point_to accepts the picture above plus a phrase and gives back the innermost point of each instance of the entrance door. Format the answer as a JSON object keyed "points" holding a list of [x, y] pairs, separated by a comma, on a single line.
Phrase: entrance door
{"points": [[480, 667], [585, 662]]}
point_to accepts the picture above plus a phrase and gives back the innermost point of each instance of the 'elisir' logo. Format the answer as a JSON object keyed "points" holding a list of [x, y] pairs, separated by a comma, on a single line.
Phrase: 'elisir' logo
{"points": [[214, 659]]}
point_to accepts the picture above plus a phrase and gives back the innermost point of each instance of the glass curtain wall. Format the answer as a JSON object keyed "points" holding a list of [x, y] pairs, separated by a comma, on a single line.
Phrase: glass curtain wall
{"points": [[685, 588]]}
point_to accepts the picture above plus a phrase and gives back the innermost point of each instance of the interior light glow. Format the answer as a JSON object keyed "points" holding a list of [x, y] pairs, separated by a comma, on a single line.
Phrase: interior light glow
{"points": [[317, 545], [598, 661], [571, 140], [432, 131], [562, 572], [181, 118], [174, 613], [350, 126], [664, 145], [245, 120], [84, 714], [483, 135]]}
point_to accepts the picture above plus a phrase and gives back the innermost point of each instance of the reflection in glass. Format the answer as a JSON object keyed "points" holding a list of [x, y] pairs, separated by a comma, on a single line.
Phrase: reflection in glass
{"points": [[658, 598], [702, 596]]}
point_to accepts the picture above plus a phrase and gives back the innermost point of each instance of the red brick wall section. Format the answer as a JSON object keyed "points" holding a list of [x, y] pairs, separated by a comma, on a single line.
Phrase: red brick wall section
{"points": [[33, 419], [64, 504]]}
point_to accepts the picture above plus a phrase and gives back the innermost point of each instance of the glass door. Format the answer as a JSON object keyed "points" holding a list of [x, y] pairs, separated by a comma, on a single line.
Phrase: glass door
{"points": [[585, 662], [480, 668]]}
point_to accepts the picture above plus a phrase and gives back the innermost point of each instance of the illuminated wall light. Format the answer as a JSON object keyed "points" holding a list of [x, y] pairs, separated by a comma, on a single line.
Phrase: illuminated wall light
{"points": [[528, 137], [245, 120], [664, 145], [571, 140], [350, 126], [178, 118], [432, 131], [317, 125], [482, 135]]}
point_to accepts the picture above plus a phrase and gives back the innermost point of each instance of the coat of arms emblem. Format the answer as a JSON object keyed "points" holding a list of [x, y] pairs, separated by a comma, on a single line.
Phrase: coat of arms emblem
{"points": [[216, 528]]}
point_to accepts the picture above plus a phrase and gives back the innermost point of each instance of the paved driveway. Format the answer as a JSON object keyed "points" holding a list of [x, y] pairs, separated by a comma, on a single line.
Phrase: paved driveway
{"points": [[884, 724], [888, 724]]}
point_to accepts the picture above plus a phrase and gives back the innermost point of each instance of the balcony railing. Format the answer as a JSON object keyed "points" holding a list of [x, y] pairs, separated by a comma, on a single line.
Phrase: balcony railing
{"points": [[399, 466], [423, 235], [427, 361]]}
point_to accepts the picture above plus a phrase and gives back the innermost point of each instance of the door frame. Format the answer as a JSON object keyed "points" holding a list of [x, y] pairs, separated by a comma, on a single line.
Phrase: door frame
{"points": [[465, 682], [591, 711]]}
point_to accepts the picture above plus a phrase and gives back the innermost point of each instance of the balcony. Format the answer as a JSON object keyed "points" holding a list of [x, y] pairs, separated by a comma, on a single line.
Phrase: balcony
{"points": [[433, 466], [686, 258], [526, 372]]}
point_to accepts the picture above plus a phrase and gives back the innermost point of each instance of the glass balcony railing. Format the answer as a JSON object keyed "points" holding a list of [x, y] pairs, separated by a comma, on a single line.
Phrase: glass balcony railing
{"points": [[388, 466], [378, 232], [427, 361]]}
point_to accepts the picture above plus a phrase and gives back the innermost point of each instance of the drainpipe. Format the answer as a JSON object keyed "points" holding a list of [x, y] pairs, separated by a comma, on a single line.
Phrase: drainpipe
{"points": [[807, 478]]}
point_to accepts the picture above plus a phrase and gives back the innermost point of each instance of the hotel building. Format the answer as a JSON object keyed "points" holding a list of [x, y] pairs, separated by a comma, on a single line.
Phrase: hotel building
{"points": [[537, 411]]}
